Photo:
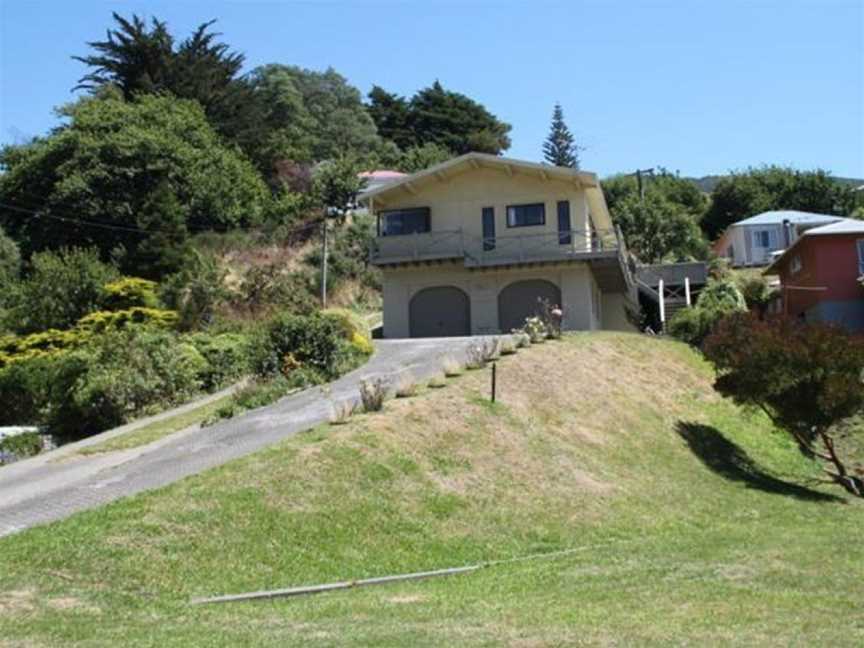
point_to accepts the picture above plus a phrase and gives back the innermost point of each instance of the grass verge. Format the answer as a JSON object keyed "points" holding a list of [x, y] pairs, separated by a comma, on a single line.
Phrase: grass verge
{"points": [[158, 429], [697, 523]]}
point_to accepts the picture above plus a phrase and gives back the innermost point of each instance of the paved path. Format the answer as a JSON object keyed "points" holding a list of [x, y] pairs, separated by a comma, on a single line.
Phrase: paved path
{"points": [[40, 490]]}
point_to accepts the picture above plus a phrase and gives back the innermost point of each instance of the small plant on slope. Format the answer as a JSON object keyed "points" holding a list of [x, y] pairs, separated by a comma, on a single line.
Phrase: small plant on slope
{"points": [[807, 378], [372, 394]]}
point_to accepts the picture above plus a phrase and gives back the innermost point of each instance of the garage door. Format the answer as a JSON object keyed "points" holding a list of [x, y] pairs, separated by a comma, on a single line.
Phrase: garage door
{"points": [[442, 311], [521, 299]]}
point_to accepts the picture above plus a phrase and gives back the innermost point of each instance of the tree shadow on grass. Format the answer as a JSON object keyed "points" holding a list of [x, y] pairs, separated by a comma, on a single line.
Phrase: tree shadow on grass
{"points": [[730, 461]]}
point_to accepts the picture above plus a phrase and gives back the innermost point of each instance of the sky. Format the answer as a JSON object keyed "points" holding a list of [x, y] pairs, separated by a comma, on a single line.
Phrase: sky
{"points": [[694, 86]]}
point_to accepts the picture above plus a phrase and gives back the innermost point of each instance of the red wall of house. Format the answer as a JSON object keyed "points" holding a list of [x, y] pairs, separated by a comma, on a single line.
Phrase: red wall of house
{"points": [[829, 261]]}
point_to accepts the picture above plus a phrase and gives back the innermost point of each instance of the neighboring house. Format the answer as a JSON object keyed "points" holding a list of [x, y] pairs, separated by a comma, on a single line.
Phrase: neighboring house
{"points": [[754, 240], [379, 178], [470, 245], [820, 275]]}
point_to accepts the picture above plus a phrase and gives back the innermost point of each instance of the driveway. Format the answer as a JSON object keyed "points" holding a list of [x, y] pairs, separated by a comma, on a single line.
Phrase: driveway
{"points": [[57, 484]]}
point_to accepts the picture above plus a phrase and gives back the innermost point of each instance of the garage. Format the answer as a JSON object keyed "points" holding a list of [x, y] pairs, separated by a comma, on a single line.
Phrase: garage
{"points": [[521, 299], [442, 311]]}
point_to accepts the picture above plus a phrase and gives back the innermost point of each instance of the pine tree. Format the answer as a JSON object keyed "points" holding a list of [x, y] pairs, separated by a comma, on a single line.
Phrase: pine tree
{"points": [[560, 148]]}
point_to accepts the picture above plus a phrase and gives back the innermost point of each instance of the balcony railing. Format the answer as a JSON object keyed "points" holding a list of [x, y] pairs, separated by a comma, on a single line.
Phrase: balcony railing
{"points": [[498, 250]]}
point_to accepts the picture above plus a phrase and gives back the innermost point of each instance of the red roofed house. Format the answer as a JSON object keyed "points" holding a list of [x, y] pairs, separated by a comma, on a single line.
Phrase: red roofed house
{"points": [[820, 275]]}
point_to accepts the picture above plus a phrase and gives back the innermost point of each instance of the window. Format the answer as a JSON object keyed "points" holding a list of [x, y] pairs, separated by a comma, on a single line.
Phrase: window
{"points": [[762, 238], [564, 235], [488, 228], [526, 215], [795, 265], [395, 222], [861, 257]]}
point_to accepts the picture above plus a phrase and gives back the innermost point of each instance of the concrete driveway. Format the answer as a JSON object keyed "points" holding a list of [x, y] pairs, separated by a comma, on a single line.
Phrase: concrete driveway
{"points": [[43, 489]]}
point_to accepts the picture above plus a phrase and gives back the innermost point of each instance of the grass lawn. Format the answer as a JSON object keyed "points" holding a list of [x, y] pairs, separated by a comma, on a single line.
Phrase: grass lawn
{"points": [[157, 429], [698, 525]]}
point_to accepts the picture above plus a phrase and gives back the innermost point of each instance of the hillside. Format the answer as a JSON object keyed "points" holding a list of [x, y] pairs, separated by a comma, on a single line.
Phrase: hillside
{"points": [[706, 184], [697, 524]]}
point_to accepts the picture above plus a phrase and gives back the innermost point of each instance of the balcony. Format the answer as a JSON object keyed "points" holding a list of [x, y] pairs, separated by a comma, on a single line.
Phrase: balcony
{"points": [[493, 251]]}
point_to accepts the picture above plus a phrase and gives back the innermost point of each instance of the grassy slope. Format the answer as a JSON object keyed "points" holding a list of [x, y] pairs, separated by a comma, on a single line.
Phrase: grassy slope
{"points": [[697, 523]]}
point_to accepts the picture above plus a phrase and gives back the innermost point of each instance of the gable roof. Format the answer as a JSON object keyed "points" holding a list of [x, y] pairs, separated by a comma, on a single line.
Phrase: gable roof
{"points": [[839, 227], [796, 217], [585, 180]]}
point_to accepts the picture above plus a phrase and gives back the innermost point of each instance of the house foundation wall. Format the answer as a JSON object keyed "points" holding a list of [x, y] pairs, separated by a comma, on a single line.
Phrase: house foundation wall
{"points": [[584, 306]]}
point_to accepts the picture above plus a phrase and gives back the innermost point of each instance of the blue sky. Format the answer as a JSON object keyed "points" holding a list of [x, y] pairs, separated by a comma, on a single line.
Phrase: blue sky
{"points": [[701, 87]]}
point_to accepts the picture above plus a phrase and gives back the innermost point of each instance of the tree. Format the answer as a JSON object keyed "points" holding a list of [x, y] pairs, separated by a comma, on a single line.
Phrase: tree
{"points": [[124, 175], [392, 117], [560, 148], [137, 60], [60, 289], [456, 122], [10, 259], [744, 194], [806, 378], [418, 158], [325, 114], [656, 229], [717, 300]]}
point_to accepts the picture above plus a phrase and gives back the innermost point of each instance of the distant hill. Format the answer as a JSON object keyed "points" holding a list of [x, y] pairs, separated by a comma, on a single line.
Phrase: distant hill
{"points": [[707, 183]]}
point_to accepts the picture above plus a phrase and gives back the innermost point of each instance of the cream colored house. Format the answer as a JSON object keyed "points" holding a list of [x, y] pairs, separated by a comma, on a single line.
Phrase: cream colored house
{"points": [[469, 246]]}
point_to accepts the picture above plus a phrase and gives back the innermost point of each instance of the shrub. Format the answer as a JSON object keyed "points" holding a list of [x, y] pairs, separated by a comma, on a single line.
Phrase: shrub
{"points": [[807, 378], [102, 321], [129, 292], [120, 375], [508, 346], [257, 394], [372, 394], [196, 290], [452, 367], [352, 324], [269, 286], [342, 411], [535, 329], [227, 356], [406, 386], [437, 382], [717, 300], [61, 288], [21, 445], [47, 343], [25, 390], [315, 342], [480, 353]]}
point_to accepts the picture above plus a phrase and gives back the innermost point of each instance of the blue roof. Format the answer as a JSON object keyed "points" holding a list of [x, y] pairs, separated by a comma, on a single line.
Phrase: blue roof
{"points": [[797, 217]]}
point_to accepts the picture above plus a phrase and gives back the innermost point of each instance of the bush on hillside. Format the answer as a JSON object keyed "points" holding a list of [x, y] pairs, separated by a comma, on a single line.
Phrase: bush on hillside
{"points": [[121, 375], [101, 321], [227, 355], [314, 342], [129, 292], [196, 291], [806, 377], [717, 300], [60, 288]]}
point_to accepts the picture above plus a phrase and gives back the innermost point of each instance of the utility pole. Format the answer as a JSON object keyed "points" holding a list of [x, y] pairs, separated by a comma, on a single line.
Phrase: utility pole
{"points": [[640, 182], [324, 263]]}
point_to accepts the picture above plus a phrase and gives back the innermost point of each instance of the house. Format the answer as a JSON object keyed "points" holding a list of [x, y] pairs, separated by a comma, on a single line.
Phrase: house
{"points": [[753, 241], [379, 177], [471, 245], [820, 275]]}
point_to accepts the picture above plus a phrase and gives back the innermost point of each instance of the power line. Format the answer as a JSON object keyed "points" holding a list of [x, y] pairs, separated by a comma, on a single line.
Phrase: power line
{"points": [[138, 230]]}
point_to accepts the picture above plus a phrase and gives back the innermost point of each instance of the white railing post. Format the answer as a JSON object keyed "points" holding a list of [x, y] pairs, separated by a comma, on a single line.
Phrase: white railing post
{"points": [[687, 290], [662, 303], [414, 243]]}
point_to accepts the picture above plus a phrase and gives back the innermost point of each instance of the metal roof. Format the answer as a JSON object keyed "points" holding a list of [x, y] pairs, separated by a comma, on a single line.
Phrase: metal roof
{"points": [[797, 217], [844, 226]]}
